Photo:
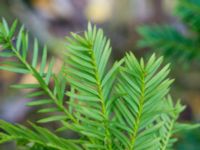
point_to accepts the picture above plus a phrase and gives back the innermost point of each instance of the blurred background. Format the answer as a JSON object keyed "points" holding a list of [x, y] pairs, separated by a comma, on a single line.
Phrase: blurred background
{"points": [[52, 20]]}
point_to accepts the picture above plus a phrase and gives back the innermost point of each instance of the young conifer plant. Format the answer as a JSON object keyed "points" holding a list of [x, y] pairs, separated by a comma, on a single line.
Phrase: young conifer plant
{"points": [[123, 107]]}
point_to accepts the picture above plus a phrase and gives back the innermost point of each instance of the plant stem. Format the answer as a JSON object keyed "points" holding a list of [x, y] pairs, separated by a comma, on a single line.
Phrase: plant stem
{"points": [[137, 123], [41, 82], [108, 142]]}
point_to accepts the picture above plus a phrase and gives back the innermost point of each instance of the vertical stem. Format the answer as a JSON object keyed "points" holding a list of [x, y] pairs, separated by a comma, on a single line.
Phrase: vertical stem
{"points": [[108, 142], [137, 123]]}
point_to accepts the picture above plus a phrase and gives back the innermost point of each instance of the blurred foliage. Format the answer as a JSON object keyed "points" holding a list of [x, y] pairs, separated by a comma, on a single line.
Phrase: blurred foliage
{"points": [[170, 42], [176, 42], [189, 140]]}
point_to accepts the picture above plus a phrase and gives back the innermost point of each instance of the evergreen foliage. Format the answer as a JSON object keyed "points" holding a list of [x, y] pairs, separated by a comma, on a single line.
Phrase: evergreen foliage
{"points": [[125, 106], [169, 40]]}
